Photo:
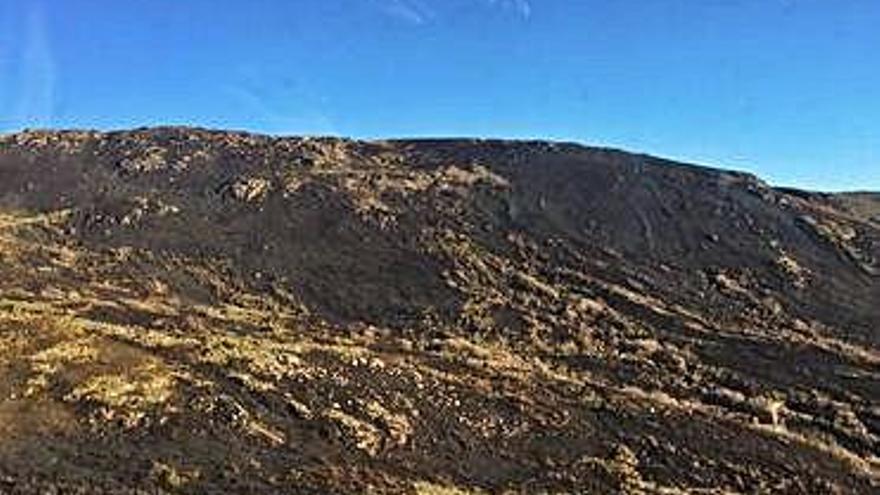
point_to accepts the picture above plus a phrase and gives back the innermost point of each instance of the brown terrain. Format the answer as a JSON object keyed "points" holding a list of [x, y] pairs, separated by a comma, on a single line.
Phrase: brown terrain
{"points": [[192, 311]]}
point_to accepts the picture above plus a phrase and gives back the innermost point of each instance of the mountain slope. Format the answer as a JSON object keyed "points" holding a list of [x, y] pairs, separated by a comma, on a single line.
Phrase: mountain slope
{"points": [[203, 312]]}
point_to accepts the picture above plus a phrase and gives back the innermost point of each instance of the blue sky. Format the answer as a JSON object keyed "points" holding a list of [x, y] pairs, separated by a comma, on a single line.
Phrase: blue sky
{"points": [[788, 89]]}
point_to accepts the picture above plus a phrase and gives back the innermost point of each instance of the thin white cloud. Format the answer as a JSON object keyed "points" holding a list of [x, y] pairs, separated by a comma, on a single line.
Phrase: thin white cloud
{"points": [[419, 12], [522, 7], [410, 11], [36, 96]]}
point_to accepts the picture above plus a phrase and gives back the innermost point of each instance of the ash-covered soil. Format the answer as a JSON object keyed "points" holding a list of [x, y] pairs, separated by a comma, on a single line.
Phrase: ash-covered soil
{"points": [[191, 311]]}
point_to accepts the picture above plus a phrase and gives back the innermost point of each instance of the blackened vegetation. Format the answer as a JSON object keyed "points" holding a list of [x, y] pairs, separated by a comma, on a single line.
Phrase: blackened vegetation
{"points": [[196, 311]]}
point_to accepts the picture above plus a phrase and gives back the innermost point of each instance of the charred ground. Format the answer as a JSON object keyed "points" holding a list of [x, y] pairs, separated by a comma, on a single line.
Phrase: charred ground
{"points": [[195, 311]]}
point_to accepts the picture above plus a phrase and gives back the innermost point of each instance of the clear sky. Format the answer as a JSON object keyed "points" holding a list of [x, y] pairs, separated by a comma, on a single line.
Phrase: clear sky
{"points": [[789, 89]]}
